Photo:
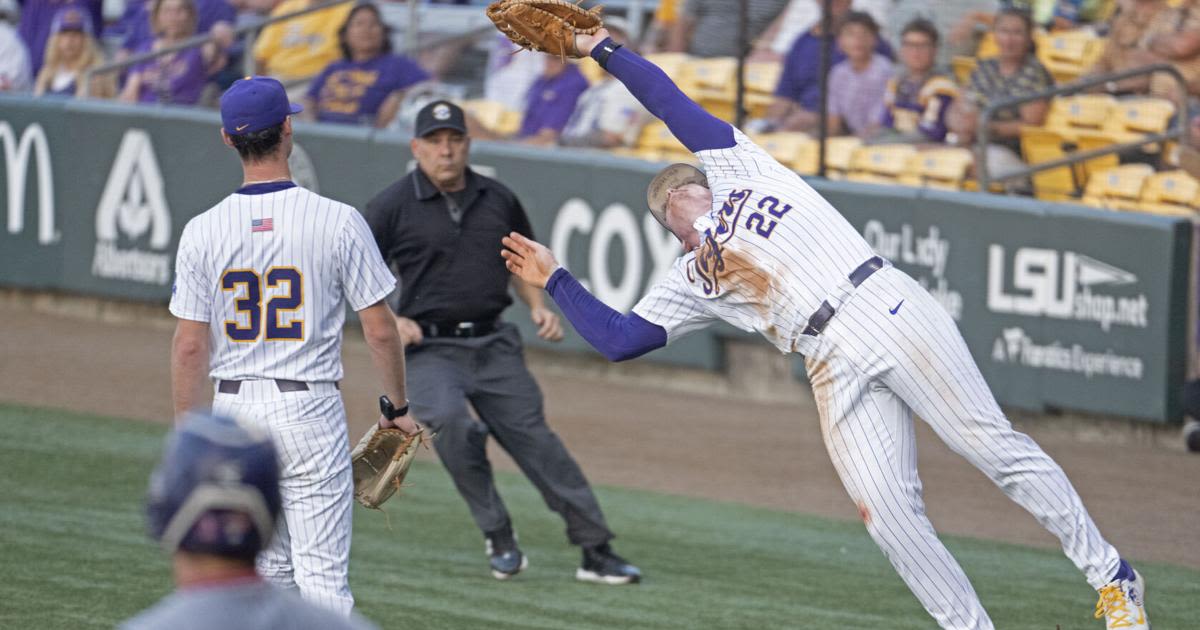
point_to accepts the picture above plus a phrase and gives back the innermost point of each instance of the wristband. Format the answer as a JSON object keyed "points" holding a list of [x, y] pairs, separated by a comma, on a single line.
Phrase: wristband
{"points": [[607, 48]]}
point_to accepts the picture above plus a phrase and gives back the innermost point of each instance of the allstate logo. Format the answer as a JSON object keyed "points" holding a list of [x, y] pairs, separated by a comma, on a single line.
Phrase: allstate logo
{"points": [[132, 211]]}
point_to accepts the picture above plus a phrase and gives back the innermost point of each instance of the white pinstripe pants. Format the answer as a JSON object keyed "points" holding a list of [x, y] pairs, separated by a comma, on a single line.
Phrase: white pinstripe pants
{"points": [[871, 371], [311, 547]]}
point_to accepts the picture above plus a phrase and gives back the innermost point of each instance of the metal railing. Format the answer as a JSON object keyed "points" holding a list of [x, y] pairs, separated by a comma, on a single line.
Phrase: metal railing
{"points": [[245, 33], [982, 134]]}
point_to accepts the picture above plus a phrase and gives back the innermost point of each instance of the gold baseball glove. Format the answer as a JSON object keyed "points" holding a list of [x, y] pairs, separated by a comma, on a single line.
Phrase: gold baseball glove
{"points": [[544, 25], [381, 461]]}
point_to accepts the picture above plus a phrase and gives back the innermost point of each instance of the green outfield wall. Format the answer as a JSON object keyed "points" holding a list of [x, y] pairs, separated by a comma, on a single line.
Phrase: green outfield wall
{"points": [[1064, 307]]}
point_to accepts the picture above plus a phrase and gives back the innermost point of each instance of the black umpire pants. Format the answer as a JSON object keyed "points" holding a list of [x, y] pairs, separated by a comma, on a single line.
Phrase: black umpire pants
{"points": [[489, 373]]}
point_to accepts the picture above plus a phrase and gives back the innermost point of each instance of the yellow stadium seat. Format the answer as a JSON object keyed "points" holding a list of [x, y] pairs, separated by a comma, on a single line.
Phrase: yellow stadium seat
{"points": [[492, 115], [655, 136], [882, 163], [1129, 119], [590, 69], [671, 63], [944, 167], [839, 152], [1170, 192], [762, 76], [784, 146], [806, 159], [963, 67], [714, 78], [1118, 188], [1071, 115], [987, 46], [1067, 54], [1088, 142], [1040, 145]]}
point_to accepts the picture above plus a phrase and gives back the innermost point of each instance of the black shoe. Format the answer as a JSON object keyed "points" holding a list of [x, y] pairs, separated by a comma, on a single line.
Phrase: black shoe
{"points": [[602, 566], [503, 554]]}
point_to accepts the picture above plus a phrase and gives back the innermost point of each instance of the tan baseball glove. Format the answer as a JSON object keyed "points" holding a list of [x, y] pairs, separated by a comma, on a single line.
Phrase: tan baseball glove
{"points": [[544, 25], [381, 461]]}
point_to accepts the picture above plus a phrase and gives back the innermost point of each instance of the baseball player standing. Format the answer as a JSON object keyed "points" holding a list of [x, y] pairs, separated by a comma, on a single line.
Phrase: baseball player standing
{"points": [[262, 283], [213, 503], [767, 254]]}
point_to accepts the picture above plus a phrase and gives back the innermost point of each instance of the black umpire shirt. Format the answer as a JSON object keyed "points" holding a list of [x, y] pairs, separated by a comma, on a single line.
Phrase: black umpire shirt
{"points": [[450, 271]]}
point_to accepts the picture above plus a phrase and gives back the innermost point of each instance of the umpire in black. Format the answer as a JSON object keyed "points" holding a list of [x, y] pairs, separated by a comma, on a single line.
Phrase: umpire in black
{"points": [[439, 227]]}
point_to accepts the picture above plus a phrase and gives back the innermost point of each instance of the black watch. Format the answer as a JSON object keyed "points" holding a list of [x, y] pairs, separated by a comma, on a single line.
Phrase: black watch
{"points": [[389, 410]]}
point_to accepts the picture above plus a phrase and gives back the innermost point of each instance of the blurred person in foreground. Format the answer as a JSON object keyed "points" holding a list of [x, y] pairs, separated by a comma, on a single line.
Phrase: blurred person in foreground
{"points": [[919, 96], [15, 70], [71, 51], [213, 502], [606, 115], [176, 78], [365, 86]]}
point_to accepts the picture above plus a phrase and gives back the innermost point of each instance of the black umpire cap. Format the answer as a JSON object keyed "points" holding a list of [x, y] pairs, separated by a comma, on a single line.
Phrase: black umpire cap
{"points": [[440, 115]]}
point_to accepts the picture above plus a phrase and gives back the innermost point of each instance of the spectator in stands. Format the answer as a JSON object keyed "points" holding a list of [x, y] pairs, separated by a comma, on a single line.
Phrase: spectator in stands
{"points": [[367, 84], [708, 28], [658, 33], [1051, 14], [857, 83], [800, 16], [509, 75], [70, 52], [36, 19], [297, 49], [1173, 37], [798, 93], [1015, 72], [1127, 46], [176, 78], [917, 99], [135, 28], [14, 58], [550, 101], [607, 115]]}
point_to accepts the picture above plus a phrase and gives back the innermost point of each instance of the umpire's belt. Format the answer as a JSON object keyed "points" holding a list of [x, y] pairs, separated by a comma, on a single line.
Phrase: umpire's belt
{"points": [[284, 385], [457, 329], [820, 319]]}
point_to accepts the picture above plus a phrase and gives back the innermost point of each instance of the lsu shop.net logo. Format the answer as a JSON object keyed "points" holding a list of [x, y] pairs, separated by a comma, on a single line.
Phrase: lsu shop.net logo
{"points": [[133, 214]]}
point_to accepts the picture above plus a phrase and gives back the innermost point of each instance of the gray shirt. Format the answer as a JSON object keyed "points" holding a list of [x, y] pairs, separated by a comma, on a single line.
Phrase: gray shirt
{"points": [[240, 606], [715, 33]]}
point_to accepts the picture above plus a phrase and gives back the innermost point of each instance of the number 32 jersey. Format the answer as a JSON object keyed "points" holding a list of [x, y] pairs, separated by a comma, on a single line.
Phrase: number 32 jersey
{"points": [[271, 269], [771, 251]]}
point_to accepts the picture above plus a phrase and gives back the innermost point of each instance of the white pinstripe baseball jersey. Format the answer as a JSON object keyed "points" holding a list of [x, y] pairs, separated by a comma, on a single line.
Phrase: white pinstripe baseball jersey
{"points": [[772, 250], [272, 274]]}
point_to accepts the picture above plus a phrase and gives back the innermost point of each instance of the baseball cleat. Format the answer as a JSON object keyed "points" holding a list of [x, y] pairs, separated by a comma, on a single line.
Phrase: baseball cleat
{"points": [[602, 566], [1122, 604], [504, 555]]}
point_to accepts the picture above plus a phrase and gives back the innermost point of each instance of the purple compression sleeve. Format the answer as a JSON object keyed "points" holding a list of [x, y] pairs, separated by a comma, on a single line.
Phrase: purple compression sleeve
{"points": [[618, 337], [697, 129]]}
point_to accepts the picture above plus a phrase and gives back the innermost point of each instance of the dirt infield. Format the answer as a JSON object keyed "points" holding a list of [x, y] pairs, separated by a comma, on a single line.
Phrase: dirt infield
{"points": [[628, 433]]}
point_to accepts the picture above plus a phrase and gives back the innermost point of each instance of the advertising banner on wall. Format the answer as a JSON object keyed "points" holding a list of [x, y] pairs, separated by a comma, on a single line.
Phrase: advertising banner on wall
{"points": [[1062, 306]]}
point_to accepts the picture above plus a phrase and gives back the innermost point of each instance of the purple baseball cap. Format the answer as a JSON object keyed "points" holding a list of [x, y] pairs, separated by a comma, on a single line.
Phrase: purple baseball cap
{"points": [[71, 19], [253, 104]]}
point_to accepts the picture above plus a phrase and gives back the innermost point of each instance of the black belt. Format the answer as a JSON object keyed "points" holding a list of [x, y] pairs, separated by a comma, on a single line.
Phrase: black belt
{"points": [[284, 385], [820, 319], [457, 329]]}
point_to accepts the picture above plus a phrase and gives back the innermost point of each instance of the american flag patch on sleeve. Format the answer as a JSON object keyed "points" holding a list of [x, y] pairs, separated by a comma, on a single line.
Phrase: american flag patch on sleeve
{"points": [[261, 225]]}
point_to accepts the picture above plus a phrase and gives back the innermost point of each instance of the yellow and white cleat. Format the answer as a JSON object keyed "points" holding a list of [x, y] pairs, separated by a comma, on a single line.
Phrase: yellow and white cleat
{"points": [[1122, 604]]}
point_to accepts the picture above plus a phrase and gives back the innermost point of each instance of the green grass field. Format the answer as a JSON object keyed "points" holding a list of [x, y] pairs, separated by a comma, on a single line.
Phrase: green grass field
{"points": [[73, 554]]}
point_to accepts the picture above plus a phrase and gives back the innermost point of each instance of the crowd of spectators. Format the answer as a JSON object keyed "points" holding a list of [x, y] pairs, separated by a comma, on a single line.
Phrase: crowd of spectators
{"points": [[340, 61]]}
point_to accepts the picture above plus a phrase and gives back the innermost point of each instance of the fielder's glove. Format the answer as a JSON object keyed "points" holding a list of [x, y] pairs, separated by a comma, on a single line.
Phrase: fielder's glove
{"points": [[381, 461], [544, 25]]}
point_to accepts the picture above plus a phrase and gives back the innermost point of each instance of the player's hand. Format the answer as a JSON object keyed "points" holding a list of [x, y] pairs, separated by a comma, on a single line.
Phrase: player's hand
{"points": [[410, 332], [585, 43], [549, 326], [405, 423], [529, 260]]}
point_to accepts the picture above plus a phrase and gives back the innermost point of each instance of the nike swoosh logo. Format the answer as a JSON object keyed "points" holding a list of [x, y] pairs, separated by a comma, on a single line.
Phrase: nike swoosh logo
{"points": [[895, 310], [241, 128]]}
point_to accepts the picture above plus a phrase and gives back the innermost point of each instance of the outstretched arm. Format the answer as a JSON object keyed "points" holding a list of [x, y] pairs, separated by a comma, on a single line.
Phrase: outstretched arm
{"points": [[618, 337], [697, 129]]}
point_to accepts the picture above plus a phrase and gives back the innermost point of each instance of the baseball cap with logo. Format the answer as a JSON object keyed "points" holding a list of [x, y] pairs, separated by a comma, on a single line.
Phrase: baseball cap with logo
{"points": [[253, 104], [440, 115], [71, 19]]}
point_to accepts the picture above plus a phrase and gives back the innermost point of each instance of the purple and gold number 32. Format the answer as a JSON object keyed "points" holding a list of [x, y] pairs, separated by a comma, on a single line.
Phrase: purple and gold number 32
{"points": [[247, 284]]}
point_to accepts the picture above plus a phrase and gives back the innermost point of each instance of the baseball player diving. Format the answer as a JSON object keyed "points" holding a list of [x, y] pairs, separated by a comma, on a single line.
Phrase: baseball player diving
{"points": [[262, 281], [766, 253]]}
